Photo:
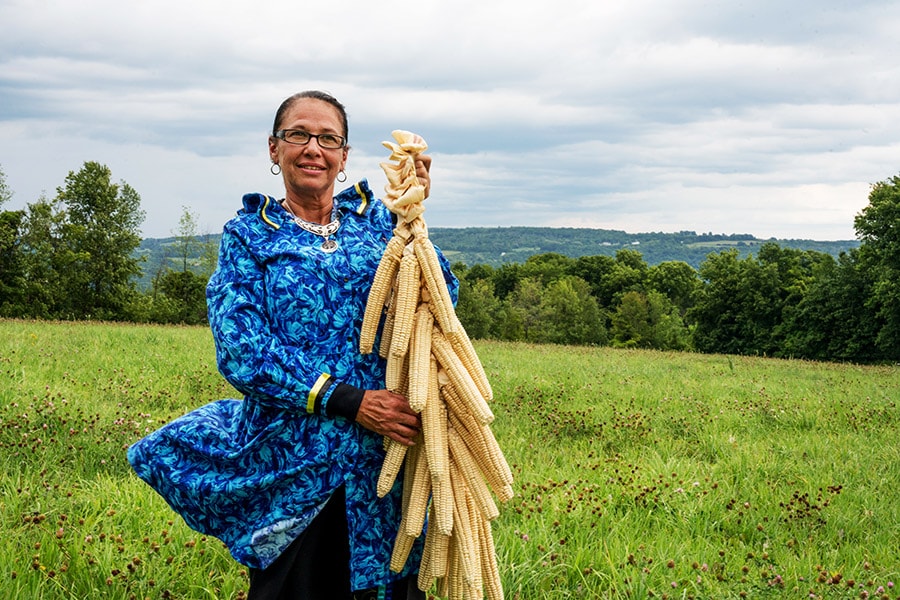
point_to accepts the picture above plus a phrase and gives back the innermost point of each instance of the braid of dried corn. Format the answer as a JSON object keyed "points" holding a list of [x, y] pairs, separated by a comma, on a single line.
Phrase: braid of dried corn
{"points": [[378, 294], [393, 459], [434, 426], [420, 489], [469, 469], [407, 300], [460, 378], [490, 573], [434, 282], [420, 358], [461, 343]]}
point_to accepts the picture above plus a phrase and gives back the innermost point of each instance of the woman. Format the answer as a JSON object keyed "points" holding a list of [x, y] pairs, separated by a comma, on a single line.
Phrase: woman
{"points": [[287, 477]]}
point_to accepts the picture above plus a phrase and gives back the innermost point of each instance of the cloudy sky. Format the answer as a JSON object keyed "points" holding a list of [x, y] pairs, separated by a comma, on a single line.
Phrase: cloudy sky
{"points": [[768, 117]]}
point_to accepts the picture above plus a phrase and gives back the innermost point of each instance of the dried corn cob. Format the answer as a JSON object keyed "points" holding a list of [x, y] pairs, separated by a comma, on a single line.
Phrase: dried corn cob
{"points": [[378, 295], [434, 426], [468, 468], [437, 545], [407, 300], [475, 519], [420, 358], [434, 282], [396, 375], [462, 345], [442, 499], [478, 437], [402, 545], [393, 460], [463, 536], [419, 484], [490, 574], [460, 378], [387, 332]]}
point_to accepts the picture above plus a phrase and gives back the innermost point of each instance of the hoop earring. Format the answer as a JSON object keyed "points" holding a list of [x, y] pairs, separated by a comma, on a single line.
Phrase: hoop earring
{"points": [[341, 176], [275, 169]]}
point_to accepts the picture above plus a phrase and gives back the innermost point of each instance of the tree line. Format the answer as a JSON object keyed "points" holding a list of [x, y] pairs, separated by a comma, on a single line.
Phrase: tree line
{"points": [[74, 257]]}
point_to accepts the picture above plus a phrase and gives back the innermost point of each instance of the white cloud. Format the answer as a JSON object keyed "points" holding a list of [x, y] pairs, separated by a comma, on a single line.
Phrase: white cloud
{"points": [[763, 117]]}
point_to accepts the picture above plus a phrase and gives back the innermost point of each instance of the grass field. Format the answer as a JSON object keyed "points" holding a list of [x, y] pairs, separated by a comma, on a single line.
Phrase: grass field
{"points": [[638, 474]]}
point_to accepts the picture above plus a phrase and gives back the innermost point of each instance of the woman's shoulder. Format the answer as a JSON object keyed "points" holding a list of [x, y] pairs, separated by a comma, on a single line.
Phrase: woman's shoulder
{"points": [[359, 201], [258, 212]]}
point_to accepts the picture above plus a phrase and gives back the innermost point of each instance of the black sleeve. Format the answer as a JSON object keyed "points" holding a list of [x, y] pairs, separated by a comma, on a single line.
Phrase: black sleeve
{"points": [[344, 401]]}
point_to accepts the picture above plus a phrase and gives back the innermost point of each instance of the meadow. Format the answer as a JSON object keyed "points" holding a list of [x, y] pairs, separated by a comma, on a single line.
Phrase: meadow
{"points": [[639, 474]]}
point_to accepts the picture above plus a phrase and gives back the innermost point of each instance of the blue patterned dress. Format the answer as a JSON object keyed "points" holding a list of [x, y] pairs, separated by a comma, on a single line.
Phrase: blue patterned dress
{"points": [[286, 318]]}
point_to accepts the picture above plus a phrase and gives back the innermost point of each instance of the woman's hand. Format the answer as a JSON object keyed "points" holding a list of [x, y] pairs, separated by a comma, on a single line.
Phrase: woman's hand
{"points": [[389, 414], [423, 166]]}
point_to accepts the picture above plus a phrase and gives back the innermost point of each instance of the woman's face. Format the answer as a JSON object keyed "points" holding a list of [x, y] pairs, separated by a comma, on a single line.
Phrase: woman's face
{"points": [[309, 171]]}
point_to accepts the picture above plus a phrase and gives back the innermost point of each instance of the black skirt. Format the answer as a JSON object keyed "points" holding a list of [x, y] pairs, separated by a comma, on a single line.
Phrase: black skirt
{"points": [[316, 566]]}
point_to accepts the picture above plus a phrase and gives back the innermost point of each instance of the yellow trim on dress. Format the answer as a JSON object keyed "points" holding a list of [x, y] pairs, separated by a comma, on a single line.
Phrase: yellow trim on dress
{"points": [[266, 219], [311, 400], [365, 199]]}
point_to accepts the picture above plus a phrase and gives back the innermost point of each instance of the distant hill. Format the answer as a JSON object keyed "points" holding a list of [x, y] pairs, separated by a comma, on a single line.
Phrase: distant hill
{"points": [[497, 245]]}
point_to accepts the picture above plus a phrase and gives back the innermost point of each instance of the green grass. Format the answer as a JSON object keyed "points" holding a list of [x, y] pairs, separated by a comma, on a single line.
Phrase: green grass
{"points": [[638, 474]]}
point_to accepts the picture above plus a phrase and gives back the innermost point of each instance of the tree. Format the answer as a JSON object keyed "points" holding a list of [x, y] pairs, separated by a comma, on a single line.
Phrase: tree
{"points": [[878, 228], [737, 309], [833, 320], [11, 277], [748, 305], [186, 239], [649, 321], [678, 281], [478, 309], [103, 222], [522, 313], [182, 298], [628, 272], [506, 279], [179, 296], [6, 194], [47, 260], [570, 315], [547, 267], [12, 280], [595, 271]]}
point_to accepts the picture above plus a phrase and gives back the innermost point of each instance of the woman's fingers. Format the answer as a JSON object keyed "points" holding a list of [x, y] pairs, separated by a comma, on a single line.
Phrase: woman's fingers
{"points": [[388, 413], [423, 166]]}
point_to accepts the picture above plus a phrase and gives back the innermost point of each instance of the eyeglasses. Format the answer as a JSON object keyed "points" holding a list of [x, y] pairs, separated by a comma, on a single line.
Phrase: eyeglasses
{"points": [[301, 138]]}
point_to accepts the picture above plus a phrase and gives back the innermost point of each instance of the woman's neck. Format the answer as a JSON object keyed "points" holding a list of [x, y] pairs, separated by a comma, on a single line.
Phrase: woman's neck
{"points": [[316, 210]]}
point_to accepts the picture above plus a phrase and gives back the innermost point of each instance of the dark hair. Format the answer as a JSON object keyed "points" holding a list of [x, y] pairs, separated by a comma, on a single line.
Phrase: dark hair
{"points": [[317, 95]]}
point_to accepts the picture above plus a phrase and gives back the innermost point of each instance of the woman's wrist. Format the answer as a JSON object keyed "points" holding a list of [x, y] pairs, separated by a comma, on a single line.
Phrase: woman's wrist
{"points": [[345, 401]]}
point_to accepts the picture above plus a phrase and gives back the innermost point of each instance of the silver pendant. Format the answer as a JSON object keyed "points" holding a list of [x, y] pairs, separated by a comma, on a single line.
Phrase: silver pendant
{"points": [[329, 246]]}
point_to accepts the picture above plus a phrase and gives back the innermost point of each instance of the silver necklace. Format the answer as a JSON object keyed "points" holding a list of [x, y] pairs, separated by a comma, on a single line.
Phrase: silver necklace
{"points": [[324, 231]]}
